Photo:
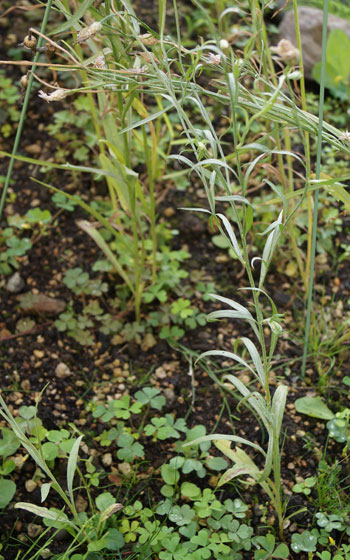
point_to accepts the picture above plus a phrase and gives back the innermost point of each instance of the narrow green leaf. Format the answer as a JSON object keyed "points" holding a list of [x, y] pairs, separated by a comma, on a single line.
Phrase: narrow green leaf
{"points": [[254, 354], [226, 437], [230, 355], [72, 21], [97, 237], [71, 467], [278, 406], [44, 512], [232, 236], [44, 490], [147, 119]]}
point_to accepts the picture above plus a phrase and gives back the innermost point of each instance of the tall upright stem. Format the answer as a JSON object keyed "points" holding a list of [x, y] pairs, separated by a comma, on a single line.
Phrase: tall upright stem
{"points": [[318, 168]]}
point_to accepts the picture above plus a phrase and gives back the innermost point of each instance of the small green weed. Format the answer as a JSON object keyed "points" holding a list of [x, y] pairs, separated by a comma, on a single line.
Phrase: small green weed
{"points": [[9, 97]]}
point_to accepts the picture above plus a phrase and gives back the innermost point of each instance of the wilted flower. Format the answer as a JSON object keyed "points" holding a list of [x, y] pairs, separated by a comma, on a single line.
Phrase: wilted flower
{"points": [[148, 40], [87, 32], [56, 95], [100, 62], [287, 52], [214, 59], [345, 136]]}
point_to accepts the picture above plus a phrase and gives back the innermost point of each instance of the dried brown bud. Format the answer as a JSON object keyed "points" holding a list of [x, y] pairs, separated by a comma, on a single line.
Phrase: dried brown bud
{"points": [[29, 42], [87, 32], [148, 40], [24, 81]]}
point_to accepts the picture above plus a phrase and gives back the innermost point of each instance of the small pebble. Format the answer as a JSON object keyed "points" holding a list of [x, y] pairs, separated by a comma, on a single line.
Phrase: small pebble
{"points": [[148, 342], [34, 530], [81, 504], [107, 459], [62, 371], [160, 373], [124, 468], [33, 149], [222, 259], [25, 385], [15, 283], [30, 485], [22, 537], [169, 395], [168, 212], [117, 339], [45, 553]]}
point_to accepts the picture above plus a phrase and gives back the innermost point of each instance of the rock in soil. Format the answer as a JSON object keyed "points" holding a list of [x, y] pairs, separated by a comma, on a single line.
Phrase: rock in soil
{"points": [[15, 283], [62, 371], [310, 22], [40, 304]]}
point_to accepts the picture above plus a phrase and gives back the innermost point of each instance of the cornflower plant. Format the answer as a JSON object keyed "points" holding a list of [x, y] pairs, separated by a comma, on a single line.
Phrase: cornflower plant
{"points": [[216, 174], [226, 180]]}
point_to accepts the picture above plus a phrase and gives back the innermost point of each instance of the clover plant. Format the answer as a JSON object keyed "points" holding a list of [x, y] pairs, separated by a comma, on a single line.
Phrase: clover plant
{"points": [[305, 486], [268, 549]]}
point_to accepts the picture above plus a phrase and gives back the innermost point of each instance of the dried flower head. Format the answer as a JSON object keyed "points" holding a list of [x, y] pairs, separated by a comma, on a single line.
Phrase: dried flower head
{"points": [[214, 59], [24, 81], [56, 95], [111, 510], [100, 62], [148, 40], [87, 32], [287, 52], [345, 137], [29, 42]]}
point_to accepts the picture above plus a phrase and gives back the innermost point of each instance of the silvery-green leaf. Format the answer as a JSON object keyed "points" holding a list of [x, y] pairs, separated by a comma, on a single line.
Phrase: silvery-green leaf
{"points": [[72, 465], [254, 354], [255, 400], [225, 314], [270, 246], [278, 406], [232, 236], [44, 512], [44, 490], [226, 437], [234, 198], [230, 355], [236, 471], [234, 305]]}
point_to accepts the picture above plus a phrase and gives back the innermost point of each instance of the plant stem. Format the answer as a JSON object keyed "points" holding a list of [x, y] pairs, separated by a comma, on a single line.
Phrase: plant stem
{"points": [[318, 167], [306, 145], [24, 109]]}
